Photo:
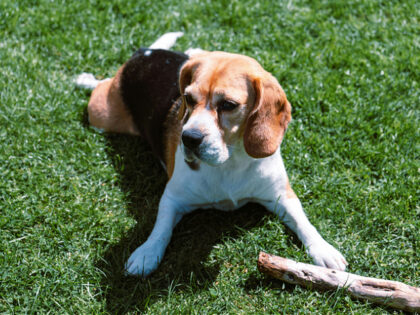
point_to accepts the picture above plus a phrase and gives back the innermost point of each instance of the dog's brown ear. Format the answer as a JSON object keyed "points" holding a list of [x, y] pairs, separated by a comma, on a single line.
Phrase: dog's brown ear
{"points": [[185, 79], [267, 122], [182, 111], [186, 74]]}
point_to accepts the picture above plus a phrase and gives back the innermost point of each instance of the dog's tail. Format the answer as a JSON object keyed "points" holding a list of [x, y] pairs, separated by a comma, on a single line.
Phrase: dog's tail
{"points": [[166, 41]]}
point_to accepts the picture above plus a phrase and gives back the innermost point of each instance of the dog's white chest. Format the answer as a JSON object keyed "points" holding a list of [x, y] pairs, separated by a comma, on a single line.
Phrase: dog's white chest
{"points": [[229, 186]]}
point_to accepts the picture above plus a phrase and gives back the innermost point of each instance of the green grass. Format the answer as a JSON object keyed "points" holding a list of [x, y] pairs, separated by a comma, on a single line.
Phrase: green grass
{"points": [[74, 203]]}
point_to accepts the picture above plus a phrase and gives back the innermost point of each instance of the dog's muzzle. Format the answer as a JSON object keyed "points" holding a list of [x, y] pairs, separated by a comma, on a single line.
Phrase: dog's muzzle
{"points": [[203, 147]]}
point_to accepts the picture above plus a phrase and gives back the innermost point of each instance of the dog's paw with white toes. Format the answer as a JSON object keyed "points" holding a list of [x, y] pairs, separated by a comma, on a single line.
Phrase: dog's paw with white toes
{"points": [[326, 255], [144, 260]]}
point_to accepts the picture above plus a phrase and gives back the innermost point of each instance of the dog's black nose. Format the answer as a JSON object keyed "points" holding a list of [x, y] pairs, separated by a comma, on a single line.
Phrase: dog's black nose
{"points": [[192, 138]]}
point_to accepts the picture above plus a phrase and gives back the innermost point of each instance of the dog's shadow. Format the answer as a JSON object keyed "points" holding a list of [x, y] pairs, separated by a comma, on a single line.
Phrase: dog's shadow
{"points": [[142, 181]]}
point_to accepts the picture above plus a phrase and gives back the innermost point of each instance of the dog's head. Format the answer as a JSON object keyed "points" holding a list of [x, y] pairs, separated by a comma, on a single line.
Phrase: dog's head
{"points": [[228, 98]]}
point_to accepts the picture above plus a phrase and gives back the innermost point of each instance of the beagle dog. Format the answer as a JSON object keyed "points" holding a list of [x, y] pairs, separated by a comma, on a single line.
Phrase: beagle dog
{"points": [[216, 121]]}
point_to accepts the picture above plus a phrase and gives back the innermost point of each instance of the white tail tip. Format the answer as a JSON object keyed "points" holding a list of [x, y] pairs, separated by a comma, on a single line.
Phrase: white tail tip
{"points": [[87, 81], [166, 41]]}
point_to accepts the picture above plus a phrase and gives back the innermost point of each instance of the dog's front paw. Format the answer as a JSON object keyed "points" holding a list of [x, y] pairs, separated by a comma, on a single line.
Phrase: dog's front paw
{"points": [[326, 255], [144, 260]]}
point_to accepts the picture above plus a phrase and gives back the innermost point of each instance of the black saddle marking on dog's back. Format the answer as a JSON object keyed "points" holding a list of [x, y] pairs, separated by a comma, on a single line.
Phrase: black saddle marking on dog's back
{"points": [[149, 87]]}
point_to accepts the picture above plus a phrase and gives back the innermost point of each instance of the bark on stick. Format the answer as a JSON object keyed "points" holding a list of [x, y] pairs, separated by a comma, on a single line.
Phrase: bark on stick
{"points": [[391, 293]]}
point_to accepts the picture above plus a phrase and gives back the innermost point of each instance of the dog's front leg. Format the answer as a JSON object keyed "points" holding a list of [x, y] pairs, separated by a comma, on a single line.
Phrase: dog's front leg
{"points": [[291, 213], [146, 258]]}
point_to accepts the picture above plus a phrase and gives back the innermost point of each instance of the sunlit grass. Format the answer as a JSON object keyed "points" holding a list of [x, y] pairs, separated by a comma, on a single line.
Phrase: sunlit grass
{"points": [[74, 202]]}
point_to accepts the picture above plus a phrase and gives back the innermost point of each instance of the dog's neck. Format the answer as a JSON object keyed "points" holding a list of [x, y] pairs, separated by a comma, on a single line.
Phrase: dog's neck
{"points": [[241, 176]]}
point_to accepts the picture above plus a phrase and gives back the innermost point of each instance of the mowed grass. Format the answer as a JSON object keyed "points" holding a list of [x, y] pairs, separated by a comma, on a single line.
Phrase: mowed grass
{"points": [[74, 202]]}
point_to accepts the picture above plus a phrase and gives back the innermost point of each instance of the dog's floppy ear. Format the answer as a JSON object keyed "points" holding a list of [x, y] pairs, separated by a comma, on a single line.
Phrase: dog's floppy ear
{"points": [[188, 71], [267, 121], [185, 79]]}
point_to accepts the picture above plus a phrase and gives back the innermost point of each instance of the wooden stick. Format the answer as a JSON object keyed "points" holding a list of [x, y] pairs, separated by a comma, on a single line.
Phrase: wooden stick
{"points": [[391, 293]]}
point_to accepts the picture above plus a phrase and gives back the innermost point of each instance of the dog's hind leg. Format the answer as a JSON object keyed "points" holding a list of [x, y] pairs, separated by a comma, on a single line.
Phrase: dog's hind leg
{"points": [[106, 109]]}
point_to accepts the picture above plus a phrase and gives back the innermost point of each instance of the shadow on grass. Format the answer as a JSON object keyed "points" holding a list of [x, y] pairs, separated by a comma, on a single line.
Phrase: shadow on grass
{"points": [[268, 283], [143, 180]]}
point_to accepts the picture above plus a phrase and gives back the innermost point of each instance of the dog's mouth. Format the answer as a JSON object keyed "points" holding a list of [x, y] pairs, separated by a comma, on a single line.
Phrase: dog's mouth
{"points": [[209, 154], [189, 155], [191, 158]]}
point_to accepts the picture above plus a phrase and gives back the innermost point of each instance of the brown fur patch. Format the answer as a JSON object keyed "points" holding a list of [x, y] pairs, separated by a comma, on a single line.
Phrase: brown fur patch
{"points": [[172, 135], [106, 108], [194, 165], [268, 121]]}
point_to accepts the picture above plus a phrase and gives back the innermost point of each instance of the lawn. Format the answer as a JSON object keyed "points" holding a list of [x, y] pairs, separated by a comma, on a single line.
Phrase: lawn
{"points": [[75, 202]]}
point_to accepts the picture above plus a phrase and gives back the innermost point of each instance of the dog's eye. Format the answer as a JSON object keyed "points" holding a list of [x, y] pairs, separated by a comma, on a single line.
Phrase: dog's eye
{"points": [[189, 99], [227, 105]]}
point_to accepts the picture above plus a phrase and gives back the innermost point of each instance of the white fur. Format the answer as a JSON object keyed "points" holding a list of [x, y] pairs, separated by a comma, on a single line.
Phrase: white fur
{"points": [[194, 51], [87, 81], [228, 186], [166, 41]]}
